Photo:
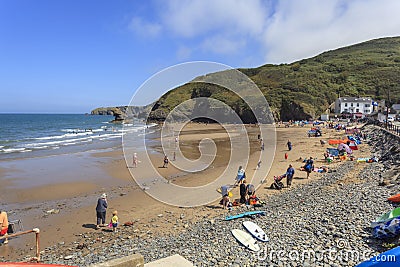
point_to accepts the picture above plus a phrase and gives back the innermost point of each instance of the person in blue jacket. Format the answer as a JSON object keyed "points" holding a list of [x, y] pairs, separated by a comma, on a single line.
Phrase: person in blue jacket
{"points": [[289, 175]]}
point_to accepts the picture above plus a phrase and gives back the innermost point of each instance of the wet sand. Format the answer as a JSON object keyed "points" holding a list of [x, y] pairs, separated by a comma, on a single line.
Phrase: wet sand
{"points": [[75, 201]]}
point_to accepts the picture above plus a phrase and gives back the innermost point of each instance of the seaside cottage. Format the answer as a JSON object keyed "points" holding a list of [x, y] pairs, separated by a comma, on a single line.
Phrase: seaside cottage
{"points": [[359, 107]]}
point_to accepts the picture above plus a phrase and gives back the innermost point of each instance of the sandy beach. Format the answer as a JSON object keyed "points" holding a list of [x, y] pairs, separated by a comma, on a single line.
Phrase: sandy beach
{"points": [[66, 210]]}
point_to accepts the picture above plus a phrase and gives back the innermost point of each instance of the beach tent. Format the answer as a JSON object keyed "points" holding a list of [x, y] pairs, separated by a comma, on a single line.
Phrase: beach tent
{"points": [[337, 141], [345, 147], [333, 151], [353, 146]]}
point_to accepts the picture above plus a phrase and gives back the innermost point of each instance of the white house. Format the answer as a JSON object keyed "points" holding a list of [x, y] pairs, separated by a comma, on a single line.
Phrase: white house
{"points": [[358, 106]]}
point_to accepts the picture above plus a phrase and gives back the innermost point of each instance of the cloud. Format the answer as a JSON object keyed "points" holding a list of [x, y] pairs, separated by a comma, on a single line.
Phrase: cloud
{"points": [[192, 18], [275, 31], [223, 45], [301, 29], [144, 28]]}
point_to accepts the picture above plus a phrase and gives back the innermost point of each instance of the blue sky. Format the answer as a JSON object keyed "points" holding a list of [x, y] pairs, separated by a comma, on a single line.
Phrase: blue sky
{"points": [[70, 56]]}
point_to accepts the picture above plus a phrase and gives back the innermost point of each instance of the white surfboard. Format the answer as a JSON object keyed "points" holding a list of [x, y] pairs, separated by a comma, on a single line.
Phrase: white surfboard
{"points": [[255, 231], [245, 239]]}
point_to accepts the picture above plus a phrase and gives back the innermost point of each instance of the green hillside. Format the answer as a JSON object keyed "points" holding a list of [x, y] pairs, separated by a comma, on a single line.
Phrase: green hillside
{"points": [[306, 88]]}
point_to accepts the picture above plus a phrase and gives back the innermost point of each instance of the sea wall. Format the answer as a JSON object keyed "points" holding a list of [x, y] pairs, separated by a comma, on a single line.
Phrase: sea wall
{"points": [[386, 147]]}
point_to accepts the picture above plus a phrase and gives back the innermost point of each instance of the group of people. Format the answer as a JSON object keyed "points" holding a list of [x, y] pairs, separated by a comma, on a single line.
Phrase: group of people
{"points": [[101, 210]]}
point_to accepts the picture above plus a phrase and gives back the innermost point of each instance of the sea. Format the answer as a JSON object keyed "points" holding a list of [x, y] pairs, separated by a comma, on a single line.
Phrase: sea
{"points": [[35, 135]]}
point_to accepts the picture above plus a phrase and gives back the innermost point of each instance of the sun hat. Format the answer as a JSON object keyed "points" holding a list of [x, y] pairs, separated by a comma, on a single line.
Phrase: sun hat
{"points": [[104, 195]]}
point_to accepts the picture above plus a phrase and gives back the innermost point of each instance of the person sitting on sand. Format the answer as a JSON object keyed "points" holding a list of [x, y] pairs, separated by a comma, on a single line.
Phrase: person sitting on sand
{"points": [[250, 190], [3, 225], [225, 196], [101, 209], [114, 221], [165, 162]]}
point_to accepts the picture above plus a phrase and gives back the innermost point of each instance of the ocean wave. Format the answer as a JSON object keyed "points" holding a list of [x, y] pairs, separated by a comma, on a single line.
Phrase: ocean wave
{"points": [[11, 150]]}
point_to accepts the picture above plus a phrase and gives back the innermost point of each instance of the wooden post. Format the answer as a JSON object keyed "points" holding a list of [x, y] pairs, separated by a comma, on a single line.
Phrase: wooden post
{"points": [[36, 231]]}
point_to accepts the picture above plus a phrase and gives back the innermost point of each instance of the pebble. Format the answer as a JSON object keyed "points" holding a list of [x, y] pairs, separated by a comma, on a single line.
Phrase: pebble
{"points": [[313, 217]]}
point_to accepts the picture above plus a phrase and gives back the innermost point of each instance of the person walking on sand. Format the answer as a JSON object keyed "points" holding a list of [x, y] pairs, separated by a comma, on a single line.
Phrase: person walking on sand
{"points": [[165, 165], [289, 145], [101, 210], [258, 165], [240, 175], [289, 175], [3, 225], [135, 160], [309, 166]]}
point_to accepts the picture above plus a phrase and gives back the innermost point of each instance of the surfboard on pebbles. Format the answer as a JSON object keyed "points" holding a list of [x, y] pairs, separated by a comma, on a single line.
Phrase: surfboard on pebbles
{"points": [[244, 214], [255, 231], [245, 239]]}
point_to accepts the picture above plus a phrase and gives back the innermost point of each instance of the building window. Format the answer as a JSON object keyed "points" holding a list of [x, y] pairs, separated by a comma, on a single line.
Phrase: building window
{"points": [[366, 111], [346, 110], [345, 104], [351, 104], [367, 105], [358, 104], [357, 110]]}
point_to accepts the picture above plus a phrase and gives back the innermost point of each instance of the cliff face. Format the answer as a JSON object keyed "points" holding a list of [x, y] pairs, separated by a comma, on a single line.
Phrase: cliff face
{"points": [[123, 113]]}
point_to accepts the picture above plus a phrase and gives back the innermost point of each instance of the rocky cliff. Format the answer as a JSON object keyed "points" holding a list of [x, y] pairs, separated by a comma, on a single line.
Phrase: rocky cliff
{"points": [[123, 113]]}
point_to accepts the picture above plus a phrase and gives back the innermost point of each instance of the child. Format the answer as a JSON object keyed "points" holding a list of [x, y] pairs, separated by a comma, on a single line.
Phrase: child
{"points": [[114, 221]]}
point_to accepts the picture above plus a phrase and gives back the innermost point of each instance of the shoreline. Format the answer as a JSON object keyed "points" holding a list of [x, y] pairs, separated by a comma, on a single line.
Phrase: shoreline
{"points": [[133, 204]]}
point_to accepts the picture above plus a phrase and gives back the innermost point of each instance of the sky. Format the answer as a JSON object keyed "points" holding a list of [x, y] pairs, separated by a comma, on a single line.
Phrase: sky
{"points": [[70, 56]]}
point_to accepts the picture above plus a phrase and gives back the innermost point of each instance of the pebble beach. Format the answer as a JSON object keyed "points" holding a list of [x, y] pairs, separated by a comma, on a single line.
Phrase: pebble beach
{"points": [[320, 222]]}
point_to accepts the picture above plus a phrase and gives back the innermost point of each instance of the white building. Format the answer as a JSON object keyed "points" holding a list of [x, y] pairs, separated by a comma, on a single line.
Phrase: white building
{"points": [[359, 106]]}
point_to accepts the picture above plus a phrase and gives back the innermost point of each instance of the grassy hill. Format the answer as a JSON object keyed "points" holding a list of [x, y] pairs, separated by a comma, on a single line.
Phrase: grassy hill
{"points": [[306, 88]]}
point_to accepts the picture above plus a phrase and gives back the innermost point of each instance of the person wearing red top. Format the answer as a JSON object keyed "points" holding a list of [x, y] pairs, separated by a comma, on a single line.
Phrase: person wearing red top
{"points": [[3, 225]]}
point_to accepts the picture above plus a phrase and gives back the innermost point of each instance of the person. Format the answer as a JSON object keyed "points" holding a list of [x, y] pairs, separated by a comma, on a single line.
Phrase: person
{"points": [[250, 190], [289, 175], [3, 225], [101, 210], [289, 145], [174, 158], [225, 196], [240, 175], [309, 166], [165, 161], [135, 160], [258, 165], [242, 191], [114, 221], [286, 156], [262, 145]]}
